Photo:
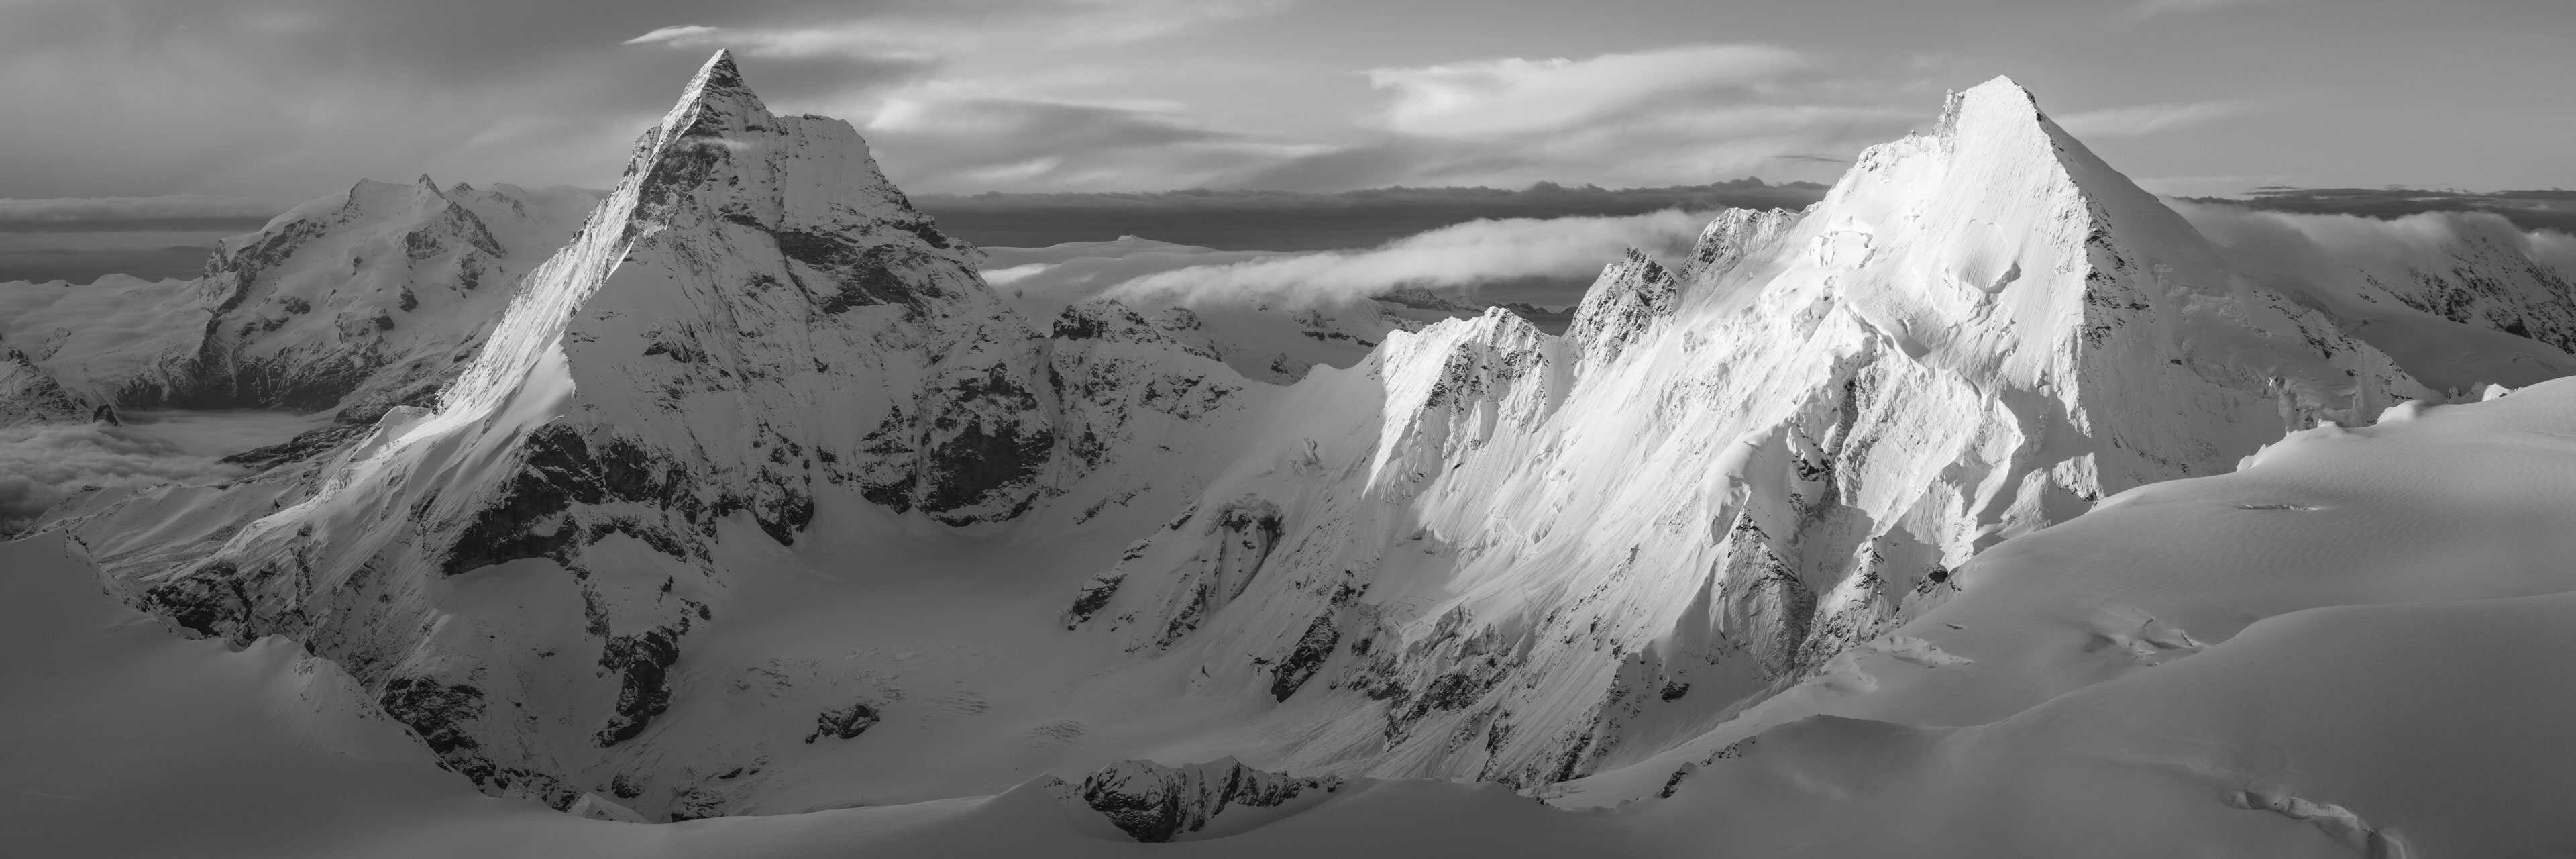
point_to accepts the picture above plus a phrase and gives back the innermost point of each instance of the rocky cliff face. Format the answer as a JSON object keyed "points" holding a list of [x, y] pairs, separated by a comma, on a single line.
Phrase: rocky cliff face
{"points": [[1154, 803]]}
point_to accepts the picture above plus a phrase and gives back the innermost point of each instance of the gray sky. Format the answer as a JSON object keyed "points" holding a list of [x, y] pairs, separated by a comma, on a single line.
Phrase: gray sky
{"points": [[281, 100]]}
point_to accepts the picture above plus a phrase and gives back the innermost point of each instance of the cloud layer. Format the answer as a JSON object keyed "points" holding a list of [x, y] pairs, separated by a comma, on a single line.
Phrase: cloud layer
{"points": [[1512, 95], [2287, 241], [43, 464], [56, 211], [1288, 221], [1693, 111], [1455, 257]]}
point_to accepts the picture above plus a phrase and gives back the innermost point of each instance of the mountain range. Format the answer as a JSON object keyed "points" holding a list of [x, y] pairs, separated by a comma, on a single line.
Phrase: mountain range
{"points": [[738, 492]]}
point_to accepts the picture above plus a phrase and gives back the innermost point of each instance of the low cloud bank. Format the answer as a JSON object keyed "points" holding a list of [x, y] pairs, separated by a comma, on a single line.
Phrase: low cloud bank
{"points": [[2553, 209], [2291, 241], [1459, 256], [1292, 221], [1733, 192], [41, 465], [96, 213]]}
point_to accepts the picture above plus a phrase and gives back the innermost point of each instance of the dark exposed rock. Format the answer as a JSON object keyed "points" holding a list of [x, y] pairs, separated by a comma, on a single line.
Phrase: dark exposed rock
{"points": [[843, 722], [442, 714], [643, 664], [1312, 649], [560, 468], [434, 711], [978, 438], [1153, 803], [1095, 595], [305, 445], [860, 277], [209, 601]]}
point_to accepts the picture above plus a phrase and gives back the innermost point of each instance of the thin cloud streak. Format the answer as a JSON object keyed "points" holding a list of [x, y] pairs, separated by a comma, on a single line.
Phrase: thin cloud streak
{"points": [[43, 464], [1513, 95], [1049, 23], [2146, 119], [57, 210], [2146, 9]]}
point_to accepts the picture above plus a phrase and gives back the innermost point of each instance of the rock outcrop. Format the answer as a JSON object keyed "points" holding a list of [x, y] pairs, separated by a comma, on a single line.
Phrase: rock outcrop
{"points": [[1154, 803]]}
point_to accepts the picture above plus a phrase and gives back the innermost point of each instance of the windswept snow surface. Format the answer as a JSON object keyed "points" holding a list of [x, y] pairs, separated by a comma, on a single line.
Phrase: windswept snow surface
{"points": [[760, 505]]}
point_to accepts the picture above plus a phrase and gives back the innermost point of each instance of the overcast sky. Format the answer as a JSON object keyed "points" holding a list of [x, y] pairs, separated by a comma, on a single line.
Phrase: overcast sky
{"points": [[281, 100]]}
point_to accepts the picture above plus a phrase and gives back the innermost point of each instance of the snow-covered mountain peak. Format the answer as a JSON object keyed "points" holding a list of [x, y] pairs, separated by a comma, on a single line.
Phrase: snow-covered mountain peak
{"points": [[715, 100], [1998, 126], [751, 324], [810, 180]]}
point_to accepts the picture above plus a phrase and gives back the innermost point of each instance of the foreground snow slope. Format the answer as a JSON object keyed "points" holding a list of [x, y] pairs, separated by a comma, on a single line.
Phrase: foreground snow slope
{"points": [[2352, 647], [2353, 644]]}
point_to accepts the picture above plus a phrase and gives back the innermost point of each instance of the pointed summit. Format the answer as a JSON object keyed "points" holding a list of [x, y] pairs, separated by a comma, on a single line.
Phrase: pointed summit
{"points": [[1999, 123], [716, 103], [1999, 98], [719, 71]]}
